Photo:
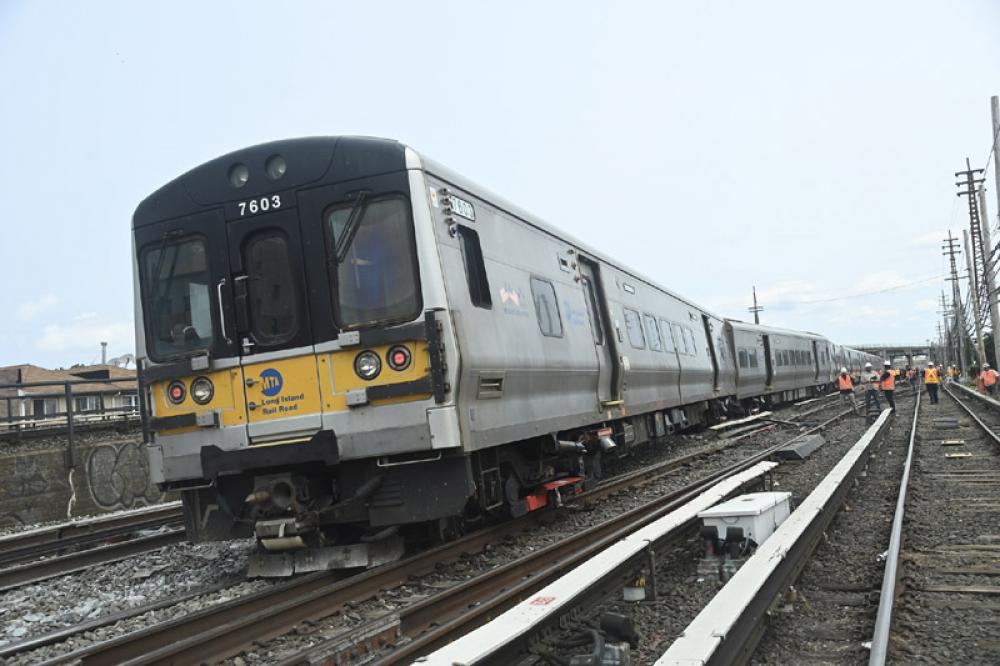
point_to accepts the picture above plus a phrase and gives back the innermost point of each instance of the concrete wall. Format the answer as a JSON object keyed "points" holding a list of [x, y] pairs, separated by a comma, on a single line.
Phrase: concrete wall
{"points": [[111, 473]]}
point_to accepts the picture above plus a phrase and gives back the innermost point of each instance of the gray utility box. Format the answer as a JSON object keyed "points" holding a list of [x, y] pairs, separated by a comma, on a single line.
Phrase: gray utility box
{"points": [[757, 515]]}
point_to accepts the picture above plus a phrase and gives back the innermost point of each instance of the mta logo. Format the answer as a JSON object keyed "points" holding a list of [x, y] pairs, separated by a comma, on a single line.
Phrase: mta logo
{"points": [[271, 379]]}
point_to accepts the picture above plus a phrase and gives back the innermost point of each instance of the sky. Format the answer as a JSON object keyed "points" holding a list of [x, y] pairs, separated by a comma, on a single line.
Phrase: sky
{"points": [[805, 148]]}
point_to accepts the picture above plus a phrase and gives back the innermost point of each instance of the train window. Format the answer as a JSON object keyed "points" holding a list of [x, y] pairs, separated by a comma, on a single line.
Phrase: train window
{"points": [[592, 310], [667, 336], [720, 346], [634, 327], [744, 363], [679, 339], [652, 334], [753, 358], [475, 268], [377, 281], [779, 359], [271, 289], [689, 342], [546, 307], [178, 298]]}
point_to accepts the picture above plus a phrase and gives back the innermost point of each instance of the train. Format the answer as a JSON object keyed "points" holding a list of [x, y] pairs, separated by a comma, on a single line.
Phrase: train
{"points": [[344, 347]]}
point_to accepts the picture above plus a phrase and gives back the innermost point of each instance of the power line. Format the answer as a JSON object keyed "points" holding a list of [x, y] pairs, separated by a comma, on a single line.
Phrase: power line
{"points": [[865, 293]]}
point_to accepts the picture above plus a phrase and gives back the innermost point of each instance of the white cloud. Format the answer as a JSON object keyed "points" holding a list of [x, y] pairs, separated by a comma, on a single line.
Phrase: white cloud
{"points": [[85, 335], [31, 309], [880, 280]]}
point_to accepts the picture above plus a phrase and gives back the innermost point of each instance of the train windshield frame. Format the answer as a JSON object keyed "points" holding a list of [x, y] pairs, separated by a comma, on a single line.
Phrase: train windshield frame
{"points": [[376, 280], [178, 296]]}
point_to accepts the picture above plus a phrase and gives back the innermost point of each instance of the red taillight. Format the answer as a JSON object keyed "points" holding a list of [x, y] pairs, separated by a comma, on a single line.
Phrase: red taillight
{"points": [[398, 358], [175, 392]]}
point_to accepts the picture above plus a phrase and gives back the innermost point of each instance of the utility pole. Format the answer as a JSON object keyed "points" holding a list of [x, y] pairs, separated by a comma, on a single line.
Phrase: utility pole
{"points": [[946, 336], [995, 111], [756, 309], [950, 250], [989, 277], [971, 182], [977, 320]]}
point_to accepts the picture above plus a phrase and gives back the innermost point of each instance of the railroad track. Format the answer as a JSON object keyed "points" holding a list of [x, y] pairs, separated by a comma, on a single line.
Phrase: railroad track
{"points": [[230, 627], [35, 555], [938, 595]]}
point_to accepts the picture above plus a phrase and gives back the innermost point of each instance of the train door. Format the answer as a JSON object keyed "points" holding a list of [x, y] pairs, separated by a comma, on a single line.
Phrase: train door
{"points": [[272, 327], [712, 352], [815, 349], [768, 363], [610, 378]]}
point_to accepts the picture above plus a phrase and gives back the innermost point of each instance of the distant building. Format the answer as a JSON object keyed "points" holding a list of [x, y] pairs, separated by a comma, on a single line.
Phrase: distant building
{"points": [[114, 390]]}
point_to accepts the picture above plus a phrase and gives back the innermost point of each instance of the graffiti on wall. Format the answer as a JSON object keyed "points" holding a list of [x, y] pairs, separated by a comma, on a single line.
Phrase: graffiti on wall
{"points": [[118, 476], [23, 492]]}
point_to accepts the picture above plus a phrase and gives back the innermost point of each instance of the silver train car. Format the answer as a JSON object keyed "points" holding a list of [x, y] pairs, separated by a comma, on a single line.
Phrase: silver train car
{"points": [[345, 346]]}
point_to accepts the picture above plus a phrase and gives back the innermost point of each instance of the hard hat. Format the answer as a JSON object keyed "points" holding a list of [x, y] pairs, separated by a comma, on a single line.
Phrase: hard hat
{"points": [[986, 365], [886, 363], [868, 365], [843, 370], [930, 364]]}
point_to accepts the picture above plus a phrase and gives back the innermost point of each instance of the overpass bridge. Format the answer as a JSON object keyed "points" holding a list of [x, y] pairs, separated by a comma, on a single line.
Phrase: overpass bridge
{"points": [[921, 352]]}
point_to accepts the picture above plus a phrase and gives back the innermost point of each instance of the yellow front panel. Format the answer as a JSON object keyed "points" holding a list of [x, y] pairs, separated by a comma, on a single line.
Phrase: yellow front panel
{"points": [[281, 389], [338, 370], [227, 399]]}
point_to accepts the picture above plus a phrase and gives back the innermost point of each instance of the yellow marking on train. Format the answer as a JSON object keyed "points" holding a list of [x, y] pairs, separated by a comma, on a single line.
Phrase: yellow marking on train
{"points": [[340, 377], [227, 399], [282, 388]]}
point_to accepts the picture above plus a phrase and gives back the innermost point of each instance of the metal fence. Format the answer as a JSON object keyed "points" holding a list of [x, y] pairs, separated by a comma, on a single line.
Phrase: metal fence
{"points": [[68, 421]]}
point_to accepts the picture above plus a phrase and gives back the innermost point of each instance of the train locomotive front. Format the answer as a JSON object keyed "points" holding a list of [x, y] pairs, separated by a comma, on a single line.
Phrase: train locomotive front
{"points": [[293, 336]]}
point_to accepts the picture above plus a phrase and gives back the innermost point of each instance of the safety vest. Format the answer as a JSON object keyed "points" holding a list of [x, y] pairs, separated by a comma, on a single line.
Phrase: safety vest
{"points": [[931, 376], [989, 377], [844, 382], [889, 383]]}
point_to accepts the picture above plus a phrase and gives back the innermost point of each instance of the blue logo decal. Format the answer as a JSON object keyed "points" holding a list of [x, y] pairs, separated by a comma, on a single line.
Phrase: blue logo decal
{"points": [[272, 381]]}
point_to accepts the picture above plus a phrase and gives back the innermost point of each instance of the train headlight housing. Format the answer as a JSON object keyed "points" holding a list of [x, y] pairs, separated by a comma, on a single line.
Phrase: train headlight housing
{"points": [[202, 390], [398, 358], [239, 174], [275, 167], [367, 365], [176, 392]]}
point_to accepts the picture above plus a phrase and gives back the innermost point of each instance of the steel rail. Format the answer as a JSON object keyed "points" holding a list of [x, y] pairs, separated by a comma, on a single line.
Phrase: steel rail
{"points": [[39, 570], [451, 613], [21, 546], [224, 629], [890, 577]]}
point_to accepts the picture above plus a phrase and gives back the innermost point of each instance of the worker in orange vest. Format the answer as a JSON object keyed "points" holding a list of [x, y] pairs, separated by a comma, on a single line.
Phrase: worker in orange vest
{"points": [[872, 383], [989, 377], [911, 378], [932, 381], [846, 386], [888, 379]]}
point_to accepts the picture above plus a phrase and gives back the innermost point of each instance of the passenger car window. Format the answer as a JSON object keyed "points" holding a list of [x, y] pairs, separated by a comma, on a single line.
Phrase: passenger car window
{"points": [[742, 354], [652, 334], [634, 328], [689, 342], [753, 358], [679, 339], [273, 301], [546, 307], [475, 268], [178, 298], [667, 336]]}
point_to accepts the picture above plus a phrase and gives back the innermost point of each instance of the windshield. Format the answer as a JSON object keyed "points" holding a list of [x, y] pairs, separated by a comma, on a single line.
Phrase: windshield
{"points": [[377, 281], [178, 308]]}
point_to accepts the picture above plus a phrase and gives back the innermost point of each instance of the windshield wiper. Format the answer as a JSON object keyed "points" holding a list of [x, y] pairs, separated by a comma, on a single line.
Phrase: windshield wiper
{"points": [[351, 226]]}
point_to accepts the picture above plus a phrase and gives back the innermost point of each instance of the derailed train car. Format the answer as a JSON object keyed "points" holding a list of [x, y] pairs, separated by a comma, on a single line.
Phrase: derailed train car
{"points": [[344, 344]]}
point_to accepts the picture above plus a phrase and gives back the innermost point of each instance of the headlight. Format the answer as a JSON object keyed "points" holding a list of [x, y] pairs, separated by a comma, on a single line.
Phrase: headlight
{"points": [[176, 392], [202, 390], [398, 358], [275, 167], [239, 174], [367, 365]]}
